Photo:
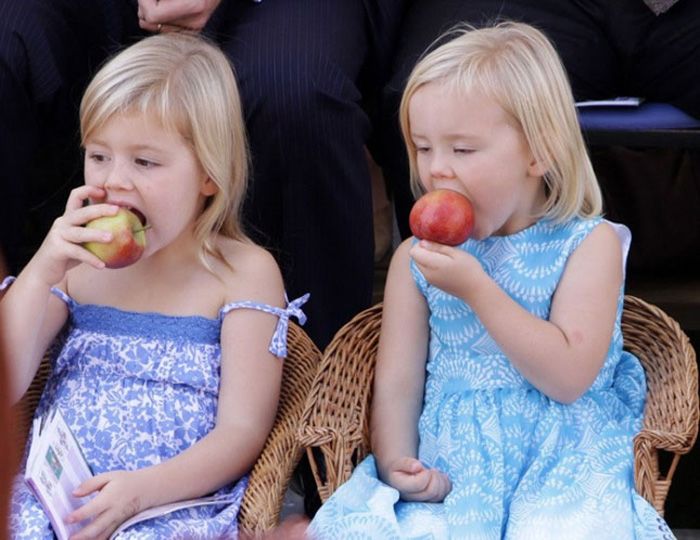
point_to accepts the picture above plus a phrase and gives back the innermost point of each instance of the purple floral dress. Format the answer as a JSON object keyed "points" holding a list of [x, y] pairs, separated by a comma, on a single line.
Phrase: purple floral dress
{"points": [[137, 389]]}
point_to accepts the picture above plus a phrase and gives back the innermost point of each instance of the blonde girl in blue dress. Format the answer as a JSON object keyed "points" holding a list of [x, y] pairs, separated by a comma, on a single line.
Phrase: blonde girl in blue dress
{"points": [[504, 405], [168, 371]]}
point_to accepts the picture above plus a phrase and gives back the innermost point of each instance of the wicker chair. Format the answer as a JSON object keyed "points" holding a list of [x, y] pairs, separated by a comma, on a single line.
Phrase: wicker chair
{"points": [[272, 472], [335, 423]]}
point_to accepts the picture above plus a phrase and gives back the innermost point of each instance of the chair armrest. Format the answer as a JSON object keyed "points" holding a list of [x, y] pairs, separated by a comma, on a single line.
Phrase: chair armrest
{"points": [[672, 411], [23, 410], [272, 472], [335, 422]]}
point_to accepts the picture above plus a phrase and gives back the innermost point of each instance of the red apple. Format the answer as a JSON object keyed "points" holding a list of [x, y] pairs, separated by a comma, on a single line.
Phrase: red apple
{"points": [[442, 215], [128, 239]]}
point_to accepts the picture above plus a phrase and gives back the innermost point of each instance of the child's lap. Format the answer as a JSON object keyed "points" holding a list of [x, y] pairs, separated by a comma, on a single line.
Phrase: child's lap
{"points": [[27, 518], [514, 429], [29, 522], [367, 508]]}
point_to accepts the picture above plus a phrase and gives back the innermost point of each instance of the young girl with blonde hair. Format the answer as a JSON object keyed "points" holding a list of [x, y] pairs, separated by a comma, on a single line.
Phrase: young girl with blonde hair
{"points": [[504, 405], [167, 370]]}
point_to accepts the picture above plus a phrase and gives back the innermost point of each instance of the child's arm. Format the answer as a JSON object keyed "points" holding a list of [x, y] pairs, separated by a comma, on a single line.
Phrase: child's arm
{"points": [[398, 387], [560, 356], [248, 397], [31, 315]]}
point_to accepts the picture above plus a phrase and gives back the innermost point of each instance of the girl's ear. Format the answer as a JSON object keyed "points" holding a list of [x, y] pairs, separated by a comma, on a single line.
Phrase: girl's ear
{"points": [[536, 167], [209, 187]]}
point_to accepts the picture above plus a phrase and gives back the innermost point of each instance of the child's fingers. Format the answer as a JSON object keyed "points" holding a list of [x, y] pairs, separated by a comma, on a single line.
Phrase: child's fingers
{"points": [[421, 256], [78, 196], [412, 488], [79, 253], [90, 509], [409, 476], [67, 242], [425, 252], [92, 484], [438, 486], [429, 485], [407, 465], [80, 235], [93, 211], [435, 247], [100, 527], [78, 213]]}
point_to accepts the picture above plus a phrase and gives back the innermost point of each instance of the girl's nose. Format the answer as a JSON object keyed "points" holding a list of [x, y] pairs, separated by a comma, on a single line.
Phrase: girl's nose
{"points": [[440, 167], [118, 178]]}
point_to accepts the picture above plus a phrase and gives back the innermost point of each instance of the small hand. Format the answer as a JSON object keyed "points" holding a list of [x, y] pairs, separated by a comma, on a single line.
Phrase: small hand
{"points": [[62, 248], [416, 482], [118, 497], [446, 267], [161, 16]]}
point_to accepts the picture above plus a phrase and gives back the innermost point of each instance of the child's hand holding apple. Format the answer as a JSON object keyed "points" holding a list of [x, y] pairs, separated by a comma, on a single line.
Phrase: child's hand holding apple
{"points": [[445, 218]]}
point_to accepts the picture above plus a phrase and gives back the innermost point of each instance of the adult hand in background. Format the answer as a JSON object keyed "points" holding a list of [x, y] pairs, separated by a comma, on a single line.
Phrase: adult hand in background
{"points": [[171, 15]]}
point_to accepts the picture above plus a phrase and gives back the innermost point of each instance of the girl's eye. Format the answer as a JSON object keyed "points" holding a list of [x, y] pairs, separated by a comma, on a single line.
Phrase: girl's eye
{"points": [[141, 162], [96, 157], [422, 149], [463, 150]]}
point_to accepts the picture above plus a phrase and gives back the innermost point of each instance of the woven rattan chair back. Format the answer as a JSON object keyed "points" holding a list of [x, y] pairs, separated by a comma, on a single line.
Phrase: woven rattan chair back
{"points": [[671, 412], [272, 472], [335, 423]]}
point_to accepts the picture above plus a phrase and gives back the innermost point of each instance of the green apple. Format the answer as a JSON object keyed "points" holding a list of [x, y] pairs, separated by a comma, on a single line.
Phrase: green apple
{"points": [[128, 239]]}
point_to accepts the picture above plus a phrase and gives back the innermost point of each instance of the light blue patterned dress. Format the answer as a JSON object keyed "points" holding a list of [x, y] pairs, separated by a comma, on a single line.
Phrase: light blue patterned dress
{"points": [[138, 389], [521, 464]]}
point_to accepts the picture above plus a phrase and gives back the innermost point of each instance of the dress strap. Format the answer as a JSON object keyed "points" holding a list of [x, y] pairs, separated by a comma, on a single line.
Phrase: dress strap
{"points": [[278, 344], [9, 280]]}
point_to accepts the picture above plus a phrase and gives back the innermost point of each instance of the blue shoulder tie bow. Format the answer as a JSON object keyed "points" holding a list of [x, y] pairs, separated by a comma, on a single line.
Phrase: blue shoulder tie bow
{"points": [[278, 345]]}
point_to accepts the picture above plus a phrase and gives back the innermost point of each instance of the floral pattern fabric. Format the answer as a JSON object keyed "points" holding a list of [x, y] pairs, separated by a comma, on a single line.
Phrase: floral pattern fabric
{"points": [[137, 389], [522, 465]]}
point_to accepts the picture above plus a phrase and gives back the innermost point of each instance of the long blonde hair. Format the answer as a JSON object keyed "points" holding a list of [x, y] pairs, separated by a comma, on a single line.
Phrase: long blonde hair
{"points": [[189, 86], [516, 65]]}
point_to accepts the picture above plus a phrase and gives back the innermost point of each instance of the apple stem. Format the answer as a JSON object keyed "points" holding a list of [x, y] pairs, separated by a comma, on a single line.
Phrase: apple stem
{"points": [[144, 228]]}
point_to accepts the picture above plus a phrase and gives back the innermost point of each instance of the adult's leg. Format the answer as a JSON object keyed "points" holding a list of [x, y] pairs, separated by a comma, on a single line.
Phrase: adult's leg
{"points": [[577, 28], [48, 50], [298, 64], [660, 53], [659, 62]]}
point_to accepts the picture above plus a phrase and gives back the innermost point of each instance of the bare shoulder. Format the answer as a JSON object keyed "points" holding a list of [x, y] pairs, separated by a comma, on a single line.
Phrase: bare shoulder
{"points": [[595, 268], [246, 256], [251, 274], [603, 242], [400, 284], [405, 245], [401, 255]]}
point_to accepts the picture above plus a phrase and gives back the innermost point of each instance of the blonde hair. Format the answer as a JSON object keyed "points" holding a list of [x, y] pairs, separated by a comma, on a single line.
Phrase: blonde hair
{"points": [[515, 65], [189, 86]]}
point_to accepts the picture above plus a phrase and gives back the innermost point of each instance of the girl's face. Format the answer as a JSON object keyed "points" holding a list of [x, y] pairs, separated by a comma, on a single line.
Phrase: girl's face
{"points": [[467, 142], [142, 166]]}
